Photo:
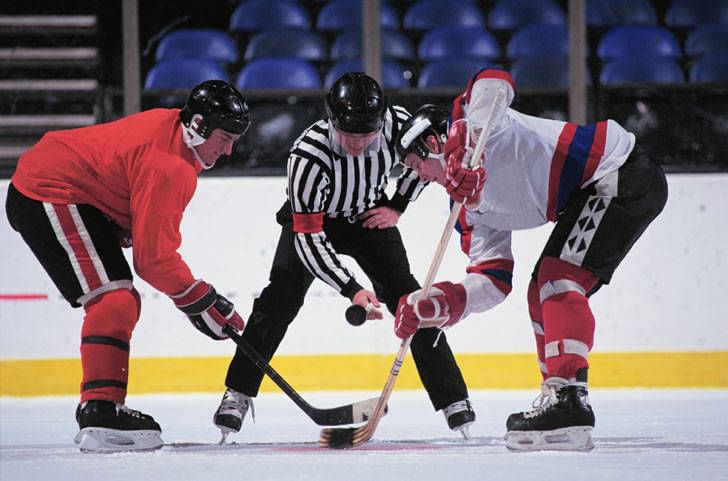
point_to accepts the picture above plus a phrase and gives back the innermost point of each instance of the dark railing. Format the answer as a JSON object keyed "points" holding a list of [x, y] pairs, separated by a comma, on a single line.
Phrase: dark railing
{"points": [[685, 128]]}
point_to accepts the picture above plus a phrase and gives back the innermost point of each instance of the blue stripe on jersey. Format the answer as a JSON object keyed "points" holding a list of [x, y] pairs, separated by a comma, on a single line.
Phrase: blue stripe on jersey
{"points": [[501, 275], [573, 169]]}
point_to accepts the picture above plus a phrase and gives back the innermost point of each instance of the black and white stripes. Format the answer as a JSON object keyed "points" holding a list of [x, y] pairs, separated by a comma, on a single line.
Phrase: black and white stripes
{"points": [[319, 180]]}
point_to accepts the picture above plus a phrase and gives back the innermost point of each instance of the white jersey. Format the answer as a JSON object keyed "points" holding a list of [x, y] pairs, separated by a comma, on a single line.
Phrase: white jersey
{"points": [[533, 167]]}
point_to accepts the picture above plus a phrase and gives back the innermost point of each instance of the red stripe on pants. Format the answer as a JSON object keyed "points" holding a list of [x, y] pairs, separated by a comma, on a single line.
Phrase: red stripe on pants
{"points": [[74, 239]]}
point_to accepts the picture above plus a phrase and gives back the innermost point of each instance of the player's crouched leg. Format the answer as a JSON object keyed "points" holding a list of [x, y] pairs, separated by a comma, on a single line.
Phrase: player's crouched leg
{"points": [[563, 418], [105, 423]]}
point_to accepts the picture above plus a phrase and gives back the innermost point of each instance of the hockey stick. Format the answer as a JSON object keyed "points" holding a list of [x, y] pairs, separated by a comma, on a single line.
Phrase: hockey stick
{"points": [[341, 438], [349, 414]]}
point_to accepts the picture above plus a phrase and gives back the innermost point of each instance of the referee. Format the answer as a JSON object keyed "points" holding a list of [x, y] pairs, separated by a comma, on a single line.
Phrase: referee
{"points": [[338, 171]]}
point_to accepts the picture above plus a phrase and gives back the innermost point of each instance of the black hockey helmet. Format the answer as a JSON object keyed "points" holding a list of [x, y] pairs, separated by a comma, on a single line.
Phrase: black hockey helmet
{"points": [[427, 120], [355, 103], [221, 107]]}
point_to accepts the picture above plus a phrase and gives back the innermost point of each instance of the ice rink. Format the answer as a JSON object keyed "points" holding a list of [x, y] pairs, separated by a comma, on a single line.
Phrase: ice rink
{"points": [[640, 435]]}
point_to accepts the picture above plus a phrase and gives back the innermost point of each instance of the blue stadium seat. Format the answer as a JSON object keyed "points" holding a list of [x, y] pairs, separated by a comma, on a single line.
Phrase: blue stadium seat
{"points": [[395, 45], [183, 73], [688, 14], [457, 42], [429, 14], [711, 67], [278, 73], [392, 73], [198, 43], [339, 15], [538, 40], [543, 72], [610, 13], [641, 70], [287, 42], [638, 41], [453, 73], [708, 38], [254, 15], [510, 15]]}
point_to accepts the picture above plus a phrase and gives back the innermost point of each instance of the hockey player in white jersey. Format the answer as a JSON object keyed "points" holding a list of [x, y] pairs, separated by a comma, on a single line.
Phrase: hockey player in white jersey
{"points": [[590, 180]]}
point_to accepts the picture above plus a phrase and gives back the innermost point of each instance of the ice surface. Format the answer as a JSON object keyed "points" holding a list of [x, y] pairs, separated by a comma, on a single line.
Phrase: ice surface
{"points": [[640, 435]]}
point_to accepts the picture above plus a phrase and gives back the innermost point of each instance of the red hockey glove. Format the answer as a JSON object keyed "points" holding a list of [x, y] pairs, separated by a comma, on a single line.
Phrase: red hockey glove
{"points": [[208, 311], [405, 319], [463, 184], [445, 304], [456, 143]]}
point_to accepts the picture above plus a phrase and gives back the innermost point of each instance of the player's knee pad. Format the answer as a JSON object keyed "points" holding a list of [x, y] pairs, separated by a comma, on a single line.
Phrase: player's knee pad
{"points": [[567, 318], [105, 335], [114, 313]]}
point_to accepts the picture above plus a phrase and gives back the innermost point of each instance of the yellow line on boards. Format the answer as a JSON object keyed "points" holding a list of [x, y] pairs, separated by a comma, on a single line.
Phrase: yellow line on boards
{"points": [[41, 377]]}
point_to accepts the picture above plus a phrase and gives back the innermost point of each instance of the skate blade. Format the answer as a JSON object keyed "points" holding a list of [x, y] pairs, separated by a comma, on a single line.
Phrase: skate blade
{"points": [[464, 430], [565, 439], [102, 440]]}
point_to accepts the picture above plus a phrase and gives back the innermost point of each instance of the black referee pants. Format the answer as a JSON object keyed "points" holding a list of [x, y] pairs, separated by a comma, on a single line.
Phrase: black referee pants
{"points": [[382, 256]]}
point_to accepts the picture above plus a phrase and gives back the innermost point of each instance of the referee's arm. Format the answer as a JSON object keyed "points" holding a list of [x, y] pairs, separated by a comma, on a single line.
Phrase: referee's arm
{"points": [[307, 188]]}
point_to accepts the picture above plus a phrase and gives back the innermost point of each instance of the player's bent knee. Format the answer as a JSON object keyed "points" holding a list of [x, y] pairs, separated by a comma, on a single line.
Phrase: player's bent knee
{"points": [[554, 270], [114, 314]]}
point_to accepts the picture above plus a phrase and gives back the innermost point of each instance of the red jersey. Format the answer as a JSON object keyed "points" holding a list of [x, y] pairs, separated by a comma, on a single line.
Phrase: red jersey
{"points": [[136, 170]]}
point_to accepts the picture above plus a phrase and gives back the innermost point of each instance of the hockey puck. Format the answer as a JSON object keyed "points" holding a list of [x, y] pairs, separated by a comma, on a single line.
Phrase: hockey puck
{"points": [[356, 315]]}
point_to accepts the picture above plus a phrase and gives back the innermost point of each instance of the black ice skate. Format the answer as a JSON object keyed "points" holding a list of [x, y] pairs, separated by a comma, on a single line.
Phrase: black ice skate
{"points": [[562, 420], [460, 416], [233, 408], [106, 426]]}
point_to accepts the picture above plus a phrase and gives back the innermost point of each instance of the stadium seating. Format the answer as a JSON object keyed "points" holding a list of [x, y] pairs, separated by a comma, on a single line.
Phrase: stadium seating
{"points": [[541, 72], [710, 68], [638, 41], [339, 15], [453, 73], [395, 45], [708, 38], [641, 70], [688, 14], [254, 15], [538, 40], [198, 43], [428, 14], [393, 75], [457, 42], [287, 42], [183, 73], [511, 15], [604, 14], [278, 73]]}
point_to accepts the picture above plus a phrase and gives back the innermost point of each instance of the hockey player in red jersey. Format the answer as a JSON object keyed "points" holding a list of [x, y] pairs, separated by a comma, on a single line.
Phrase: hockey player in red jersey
{"points": [[600, 190], [78, 196]]}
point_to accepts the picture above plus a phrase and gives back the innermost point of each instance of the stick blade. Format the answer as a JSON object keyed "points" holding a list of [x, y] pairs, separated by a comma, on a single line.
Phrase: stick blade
{"points": [[345, 438], [337, 438]]}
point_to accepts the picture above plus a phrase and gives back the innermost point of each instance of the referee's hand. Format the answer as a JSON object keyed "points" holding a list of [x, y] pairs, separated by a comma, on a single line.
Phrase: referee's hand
{"points": [[380, 218], [364, 298]]}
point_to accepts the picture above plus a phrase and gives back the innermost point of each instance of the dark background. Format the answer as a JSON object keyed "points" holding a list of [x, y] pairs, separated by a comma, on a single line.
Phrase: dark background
{"points": [[685, 127]]}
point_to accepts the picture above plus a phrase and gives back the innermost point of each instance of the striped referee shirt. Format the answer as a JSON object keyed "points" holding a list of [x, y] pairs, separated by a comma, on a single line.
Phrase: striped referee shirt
{"points": [[321, 181]]}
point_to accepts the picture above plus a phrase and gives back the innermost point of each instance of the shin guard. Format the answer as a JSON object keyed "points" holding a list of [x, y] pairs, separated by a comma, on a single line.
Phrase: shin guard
{"points": [[567, 318], [534, 310], [105, 335]]}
